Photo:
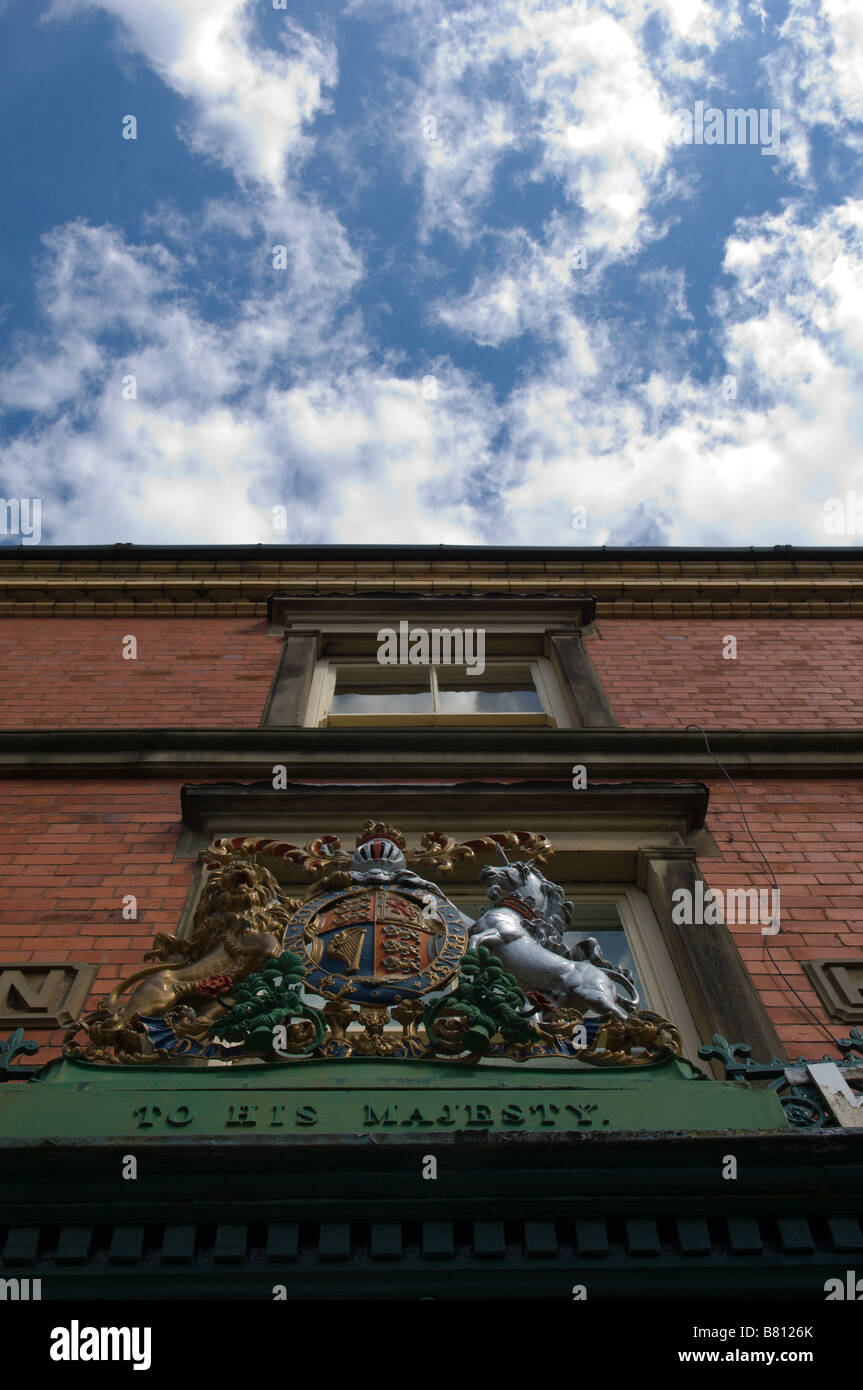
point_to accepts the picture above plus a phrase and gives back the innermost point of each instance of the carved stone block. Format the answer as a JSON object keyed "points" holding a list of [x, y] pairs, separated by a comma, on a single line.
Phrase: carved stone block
{"points": [[42, 994], [839, 986]]}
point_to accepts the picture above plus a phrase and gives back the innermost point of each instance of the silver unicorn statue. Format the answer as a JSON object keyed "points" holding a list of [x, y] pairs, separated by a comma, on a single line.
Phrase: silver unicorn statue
{"points": [[524, 926]]}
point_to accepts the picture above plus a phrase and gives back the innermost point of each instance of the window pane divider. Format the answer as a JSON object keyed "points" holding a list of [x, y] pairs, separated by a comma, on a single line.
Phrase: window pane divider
{"points": [[434, 689]]}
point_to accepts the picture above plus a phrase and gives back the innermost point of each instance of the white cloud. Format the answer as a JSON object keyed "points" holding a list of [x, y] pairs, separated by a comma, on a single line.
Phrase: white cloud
{"points": [[250, 101], [573, 93], [816, 75], [530, 286], [753, 469], [222, 431], [812, 269], [353, 451], [575, 99]]}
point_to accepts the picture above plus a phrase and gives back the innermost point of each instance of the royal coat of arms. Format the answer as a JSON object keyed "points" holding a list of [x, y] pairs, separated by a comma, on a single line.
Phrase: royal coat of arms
{"points": [[390, 937], [375, 960]]}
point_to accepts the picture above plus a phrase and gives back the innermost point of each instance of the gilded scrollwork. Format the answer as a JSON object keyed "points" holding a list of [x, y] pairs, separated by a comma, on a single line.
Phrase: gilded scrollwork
{"points": [[639, 1039]]}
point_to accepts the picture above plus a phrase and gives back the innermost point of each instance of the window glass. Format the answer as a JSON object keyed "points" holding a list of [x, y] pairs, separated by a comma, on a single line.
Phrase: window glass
{"points": [[602, 921], [387, 701], [502, 691], [368, 690]]}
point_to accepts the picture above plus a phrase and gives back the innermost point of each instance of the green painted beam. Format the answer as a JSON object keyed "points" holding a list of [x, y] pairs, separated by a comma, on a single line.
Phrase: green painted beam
{"points": [[78, 1099]]}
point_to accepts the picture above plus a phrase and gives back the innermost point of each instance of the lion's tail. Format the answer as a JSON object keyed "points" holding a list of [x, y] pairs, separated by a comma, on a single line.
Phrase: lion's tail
{"points": [[124, 984]]}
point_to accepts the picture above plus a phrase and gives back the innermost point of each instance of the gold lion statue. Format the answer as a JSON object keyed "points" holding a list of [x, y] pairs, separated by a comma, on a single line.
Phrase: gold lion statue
{"points": [[238, 926]]}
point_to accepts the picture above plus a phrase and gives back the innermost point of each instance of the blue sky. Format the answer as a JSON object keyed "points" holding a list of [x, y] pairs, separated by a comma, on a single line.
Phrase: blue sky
{"points": [[507, 289]]}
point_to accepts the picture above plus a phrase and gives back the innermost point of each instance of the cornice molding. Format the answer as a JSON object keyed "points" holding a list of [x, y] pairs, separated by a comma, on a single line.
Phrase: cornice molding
{"points": [[205, 805], [376, 607], [239, 581], [384, 753]]}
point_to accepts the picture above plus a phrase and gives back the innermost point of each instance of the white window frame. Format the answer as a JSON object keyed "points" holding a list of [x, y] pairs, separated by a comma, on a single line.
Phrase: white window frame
{"points": [[555, 713], [649, 952]]}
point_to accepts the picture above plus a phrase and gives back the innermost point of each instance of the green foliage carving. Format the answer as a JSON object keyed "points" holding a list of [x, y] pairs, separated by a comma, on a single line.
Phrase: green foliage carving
{"points": [[491, 1000], [263, 1001]]}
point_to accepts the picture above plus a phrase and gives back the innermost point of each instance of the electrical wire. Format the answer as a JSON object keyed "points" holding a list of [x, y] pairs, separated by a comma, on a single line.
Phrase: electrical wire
{"points": [[773, 961]]}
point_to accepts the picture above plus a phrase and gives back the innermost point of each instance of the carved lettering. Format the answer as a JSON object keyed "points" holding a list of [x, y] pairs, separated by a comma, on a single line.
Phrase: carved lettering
{"points": [[483, 1116], [418, 1118], [43, 994], [581, 1113], [146, 1115], [373, 1118], [37, 998], [242, 1115], [546, 1113], [478, 1114], [180, 1115]]}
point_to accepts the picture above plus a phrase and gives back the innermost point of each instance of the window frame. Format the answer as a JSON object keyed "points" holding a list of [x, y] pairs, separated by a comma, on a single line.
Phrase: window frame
{"points": [[517, 626], [555, 713]]}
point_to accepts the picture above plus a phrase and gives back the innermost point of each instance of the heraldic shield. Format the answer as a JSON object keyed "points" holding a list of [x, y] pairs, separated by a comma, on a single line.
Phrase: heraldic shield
{"points": [[377, 945]]}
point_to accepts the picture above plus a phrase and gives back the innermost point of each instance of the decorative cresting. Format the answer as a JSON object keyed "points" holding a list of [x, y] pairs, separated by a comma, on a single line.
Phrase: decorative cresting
{"points": [[17, 1045], [436, 851], [799, 1095], [375, 961]]}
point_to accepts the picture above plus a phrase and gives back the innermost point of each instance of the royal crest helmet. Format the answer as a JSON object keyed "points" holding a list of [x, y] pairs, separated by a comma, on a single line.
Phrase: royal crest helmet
{"points": [[378, 850]]}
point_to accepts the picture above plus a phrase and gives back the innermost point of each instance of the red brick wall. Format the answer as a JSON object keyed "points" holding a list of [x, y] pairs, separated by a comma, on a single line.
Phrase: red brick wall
{"points": [[69, 852], [68, 855], [663, 674], [69, 673], [812, 835]]}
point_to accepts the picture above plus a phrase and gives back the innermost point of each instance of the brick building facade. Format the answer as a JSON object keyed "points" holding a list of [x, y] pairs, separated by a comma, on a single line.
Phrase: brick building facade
{"points": [[119, 769]]}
